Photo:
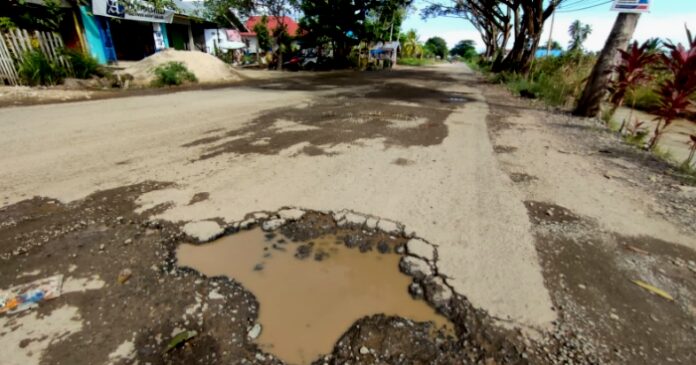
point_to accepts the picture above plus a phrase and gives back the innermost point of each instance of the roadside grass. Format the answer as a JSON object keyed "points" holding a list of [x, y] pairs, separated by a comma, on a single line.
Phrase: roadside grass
{"points": [[412, 61], [558, 81]]}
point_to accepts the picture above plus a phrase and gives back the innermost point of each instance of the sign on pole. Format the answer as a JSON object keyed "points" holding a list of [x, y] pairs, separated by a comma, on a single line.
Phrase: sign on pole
{"points": [[631, 6], [131, 10]]}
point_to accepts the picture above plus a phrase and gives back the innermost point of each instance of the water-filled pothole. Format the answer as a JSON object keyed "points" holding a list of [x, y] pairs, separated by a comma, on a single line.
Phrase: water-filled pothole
{"points": [[310, 292]]}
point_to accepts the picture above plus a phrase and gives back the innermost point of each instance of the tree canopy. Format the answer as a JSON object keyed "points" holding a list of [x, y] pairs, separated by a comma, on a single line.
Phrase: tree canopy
{"points": [[437, 46], [465, 49]]}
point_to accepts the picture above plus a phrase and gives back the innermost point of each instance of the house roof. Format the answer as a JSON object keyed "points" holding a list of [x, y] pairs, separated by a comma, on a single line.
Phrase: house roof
{"points": [[273, 22]]}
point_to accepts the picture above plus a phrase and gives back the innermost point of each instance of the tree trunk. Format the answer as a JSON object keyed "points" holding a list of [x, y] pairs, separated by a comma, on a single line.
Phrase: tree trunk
{"points": [[596, 86]]}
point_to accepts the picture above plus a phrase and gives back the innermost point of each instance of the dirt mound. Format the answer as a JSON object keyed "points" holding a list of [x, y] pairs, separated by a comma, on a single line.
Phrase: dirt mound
{"points": [[207, 68]]}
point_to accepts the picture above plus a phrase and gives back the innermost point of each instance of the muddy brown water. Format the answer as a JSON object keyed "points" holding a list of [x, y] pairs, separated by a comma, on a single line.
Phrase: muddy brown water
{"points": [[305, 304]]}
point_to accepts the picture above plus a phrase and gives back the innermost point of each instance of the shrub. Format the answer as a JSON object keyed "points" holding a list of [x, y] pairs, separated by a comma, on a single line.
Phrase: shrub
{"points": [[675, 93], [171, 74], [555, 80], [84, 65], [37, 69]]}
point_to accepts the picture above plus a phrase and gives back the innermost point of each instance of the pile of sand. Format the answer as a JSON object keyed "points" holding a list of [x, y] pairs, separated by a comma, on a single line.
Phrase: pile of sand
{"points": [[207, 68]]}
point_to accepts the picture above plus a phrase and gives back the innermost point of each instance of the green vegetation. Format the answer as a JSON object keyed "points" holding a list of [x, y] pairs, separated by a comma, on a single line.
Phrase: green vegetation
{"points": [[465, 49], [556, 80], [37, 69], [84, 65], [262, 34], [411, 61], [437, 47], [172, 74]]}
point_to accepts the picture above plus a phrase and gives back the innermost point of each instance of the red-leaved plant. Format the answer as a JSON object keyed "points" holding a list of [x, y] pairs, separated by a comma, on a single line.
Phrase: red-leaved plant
{"points": [[631, 71], [675, 92]]}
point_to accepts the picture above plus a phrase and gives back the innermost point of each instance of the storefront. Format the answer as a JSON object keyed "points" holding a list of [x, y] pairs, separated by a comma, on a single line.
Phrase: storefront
{"points": [[114, 31]]}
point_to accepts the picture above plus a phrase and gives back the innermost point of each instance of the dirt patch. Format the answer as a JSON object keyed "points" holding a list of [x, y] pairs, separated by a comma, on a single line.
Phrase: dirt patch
{"points": [[92, 241], [543, 213], [522, 177], [601, 309], [344, 118], [199, 197], [504, 149], [403, 162]]}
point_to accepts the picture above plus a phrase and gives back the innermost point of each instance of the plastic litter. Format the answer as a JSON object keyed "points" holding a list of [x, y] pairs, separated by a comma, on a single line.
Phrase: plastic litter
{"points": [[653, 289], [27, 296], [180, 338]]}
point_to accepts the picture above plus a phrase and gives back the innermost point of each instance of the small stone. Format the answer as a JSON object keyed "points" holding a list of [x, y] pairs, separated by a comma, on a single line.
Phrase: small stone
{"points": [[614, 316], [258, 267], [364, 350], [124, 276], [418, 247], [389, 226], [416, 290], [273, 224], [416, 267], [581, 286], [549, 212], [102, 247], [203, 230], [260, 357], [303, 251], [383, 247], [371, 223], [355, 219], [254, 332], [291, 214], [128, 241]]}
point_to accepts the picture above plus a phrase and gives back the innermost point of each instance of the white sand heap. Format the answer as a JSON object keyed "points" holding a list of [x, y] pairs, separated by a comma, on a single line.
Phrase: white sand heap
{"points": [[207, 68]]}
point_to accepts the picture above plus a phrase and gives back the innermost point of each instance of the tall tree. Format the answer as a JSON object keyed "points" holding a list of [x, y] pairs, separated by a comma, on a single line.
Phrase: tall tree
{"points": [[410, 44], [344, 23], [465, 49], [437, 46], [578, 35], [596, 87], [534, 14], [493, 19]]}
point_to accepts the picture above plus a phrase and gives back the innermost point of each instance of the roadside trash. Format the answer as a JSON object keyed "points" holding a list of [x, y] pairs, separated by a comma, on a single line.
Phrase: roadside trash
{"points": [[124, 275], [255, 331], [637, 250], [180, 338], [653, 289], [27, 296]]}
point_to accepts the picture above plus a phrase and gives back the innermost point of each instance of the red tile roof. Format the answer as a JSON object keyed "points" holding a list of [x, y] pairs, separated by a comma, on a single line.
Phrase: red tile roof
{"points": [[291, 24]]}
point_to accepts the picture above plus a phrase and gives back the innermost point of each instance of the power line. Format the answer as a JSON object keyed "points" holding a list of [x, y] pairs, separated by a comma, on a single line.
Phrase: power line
{"points": [[580, 4], [585, 8]]}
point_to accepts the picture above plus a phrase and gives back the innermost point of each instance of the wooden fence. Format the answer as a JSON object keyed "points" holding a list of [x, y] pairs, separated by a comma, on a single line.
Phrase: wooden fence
{"points": [[15, 43]]}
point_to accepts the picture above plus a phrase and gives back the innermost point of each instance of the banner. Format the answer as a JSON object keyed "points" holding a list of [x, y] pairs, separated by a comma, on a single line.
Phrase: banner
{"points": [[131, 10], [631, 6]]}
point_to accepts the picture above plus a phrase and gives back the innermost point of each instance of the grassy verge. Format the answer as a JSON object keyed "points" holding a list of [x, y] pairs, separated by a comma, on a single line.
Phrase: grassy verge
{"points": [[410, 61]]}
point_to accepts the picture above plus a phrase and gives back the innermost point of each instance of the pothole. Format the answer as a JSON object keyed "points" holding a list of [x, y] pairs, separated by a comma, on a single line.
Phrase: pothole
{"points": [[314, 279]]}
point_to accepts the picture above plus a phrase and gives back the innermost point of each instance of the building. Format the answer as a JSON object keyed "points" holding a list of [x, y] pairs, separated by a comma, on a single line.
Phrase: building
{"points": [[249, 36], [115, 32]]}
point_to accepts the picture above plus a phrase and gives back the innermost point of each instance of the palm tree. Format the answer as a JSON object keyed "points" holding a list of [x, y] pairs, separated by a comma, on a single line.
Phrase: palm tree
{"points": [[410, 45], [578, 35]]}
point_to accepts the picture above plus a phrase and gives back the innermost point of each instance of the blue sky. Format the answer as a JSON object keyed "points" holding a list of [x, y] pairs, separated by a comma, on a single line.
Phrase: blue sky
{"points": [[666, 20]]}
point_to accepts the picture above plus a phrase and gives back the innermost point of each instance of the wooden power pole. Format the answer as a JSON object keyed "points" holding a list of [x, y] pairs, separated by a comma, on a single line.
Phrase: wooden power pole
{"points": [[596, 86]]}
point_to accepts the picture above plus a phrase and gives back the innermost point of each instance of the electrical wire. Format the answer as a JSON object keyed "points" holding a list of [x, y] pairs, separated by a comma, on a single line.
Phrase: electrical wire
{"points": [[585, 8]]}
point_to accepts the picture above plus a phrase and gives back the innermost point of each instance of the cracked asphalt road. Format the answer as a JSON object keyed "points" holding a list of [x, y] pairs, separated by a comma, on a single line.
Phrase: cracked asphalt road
{"points": [[409, 146]]}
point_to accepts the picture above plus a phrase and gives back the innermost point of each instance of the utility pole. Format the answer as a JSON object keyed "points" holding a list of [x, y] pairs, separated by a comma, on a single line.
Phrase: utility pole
{"points": [[548, 44], [596, 86]]}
